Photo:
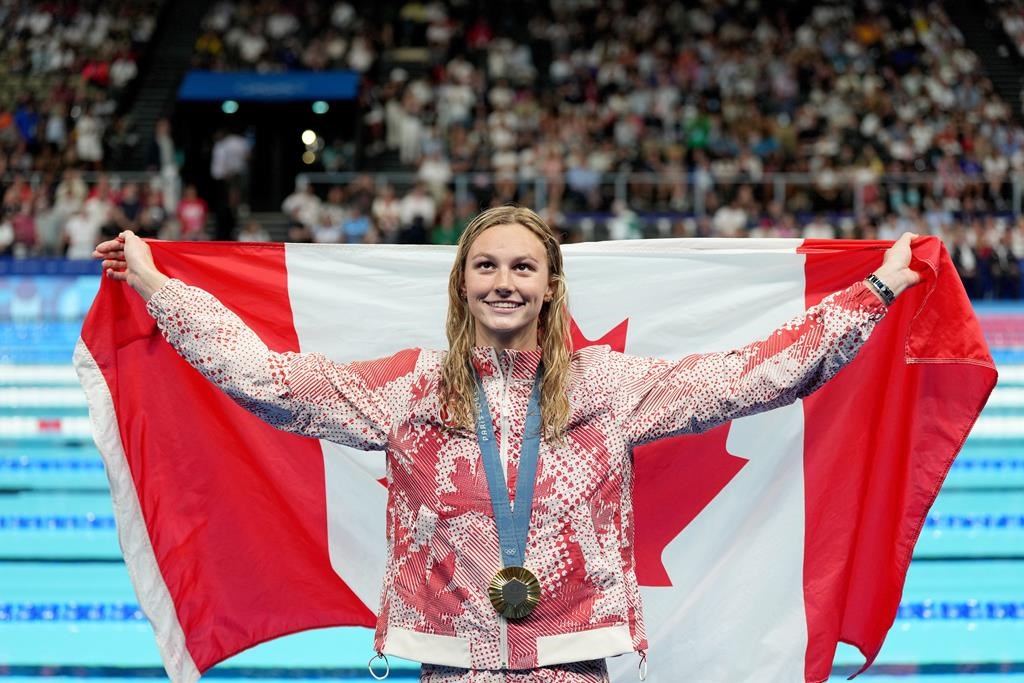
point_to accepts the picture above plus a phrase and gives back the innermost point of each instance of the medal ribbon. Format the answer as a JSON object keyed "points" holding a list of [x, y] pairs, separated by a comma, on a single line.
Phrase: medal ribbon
{"points": [[513, 526]]}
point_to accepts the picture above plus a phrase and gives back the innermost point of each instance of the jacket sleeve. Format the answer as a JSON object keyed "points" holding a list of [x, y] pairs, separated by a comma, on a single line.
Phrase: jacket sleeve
{"points": [[655, 398], [306, 393]]}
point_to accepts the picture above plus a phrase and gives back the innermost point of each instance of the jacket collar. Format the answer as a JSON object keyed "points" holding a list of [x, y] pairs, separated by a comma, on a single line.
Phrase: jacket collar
{"points": [[517, 365]]}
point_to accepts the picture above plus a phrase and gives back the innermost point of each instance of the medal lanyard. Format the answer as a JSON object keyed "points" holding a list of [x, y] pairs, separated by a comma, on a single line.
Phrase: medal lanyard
{"points": [[513, 526]]}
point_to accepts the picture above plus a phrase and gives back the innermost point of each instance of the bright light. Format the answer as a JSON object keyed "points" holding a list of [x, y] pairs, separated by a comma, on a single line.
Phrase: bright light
{"points": [[320, 107], [229, 106], [308, 157], [308, 137]]}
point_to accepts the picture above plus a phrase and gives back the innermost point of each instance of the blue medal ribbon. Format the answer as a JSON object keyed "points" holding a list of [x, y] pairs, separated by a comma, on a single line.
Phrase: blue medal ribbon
{"points": [[513, 525]]}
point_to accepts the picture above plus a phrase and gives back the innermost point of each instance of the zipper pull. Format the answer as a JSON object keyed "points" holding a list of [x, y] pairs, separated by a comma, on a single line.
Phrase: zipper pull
{"points": [[387, 666], [642, 668]]}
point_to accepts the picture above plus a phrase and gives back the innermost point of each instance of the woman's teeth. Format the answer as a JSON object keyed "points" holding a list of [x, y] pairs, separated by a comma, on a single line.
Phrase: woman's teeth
{"points": [[504, 304]]}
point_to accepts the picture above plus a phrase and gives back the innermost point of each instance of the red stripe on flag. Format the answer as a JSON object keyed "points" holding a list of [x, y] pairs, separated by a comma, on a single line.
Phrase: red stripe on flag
{"points": [[235, 509], [879, 440]]}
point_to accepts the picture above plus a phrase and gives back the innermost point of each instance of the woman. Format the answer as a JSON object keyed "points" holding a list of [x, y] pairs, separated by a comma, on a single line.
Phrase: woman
{"points": [[480, 587]]}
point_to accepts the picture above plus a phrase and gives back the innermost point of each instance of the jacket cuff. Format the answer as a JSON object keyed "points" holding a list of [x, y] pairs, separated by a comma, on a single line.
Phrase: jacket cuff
{"points": [[862, 296], [165, 299]]}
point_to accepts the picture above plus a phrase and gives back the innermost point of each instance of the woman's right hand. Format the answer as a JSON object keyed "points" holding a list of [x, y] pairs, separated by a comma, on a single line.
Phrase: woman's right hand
{"points": [[128, 258]]}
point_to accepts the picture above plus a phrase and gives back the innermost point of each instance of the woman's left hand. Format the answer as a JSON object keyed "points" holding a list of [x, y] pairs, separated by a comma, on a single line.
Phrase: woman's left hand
{"points": [[895, 271]]}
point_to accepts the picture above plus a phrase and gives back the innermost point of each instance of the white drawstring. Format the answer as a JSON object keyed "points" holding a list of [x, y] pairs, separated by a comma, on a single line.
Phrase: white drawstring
{"points": [[643, 665]]}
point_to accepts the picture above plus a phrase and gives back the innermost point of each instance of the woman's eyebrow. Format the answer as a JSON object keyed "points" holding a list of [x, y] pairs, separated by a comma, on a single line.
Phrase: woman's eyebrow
{"points": [[518, 257]]}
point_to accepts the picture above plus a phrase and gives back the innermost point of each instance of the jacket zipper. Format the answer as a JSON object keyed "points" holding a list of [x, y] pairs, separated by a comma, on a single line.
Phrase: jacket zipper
{"points": [[502, 623], [503, 642]]}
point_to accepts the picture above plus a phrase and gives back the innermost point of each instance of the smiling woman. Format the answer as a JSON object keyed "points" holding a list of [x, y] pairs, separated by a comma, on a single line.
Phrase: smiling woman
{"points": [[507, 282], [509, 455]]}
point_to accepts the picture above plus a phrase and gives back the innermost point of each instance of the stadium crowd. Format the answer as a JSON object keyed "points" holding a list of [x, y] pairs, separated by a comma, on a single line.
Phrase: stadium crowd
{"points": [[671, 119]]}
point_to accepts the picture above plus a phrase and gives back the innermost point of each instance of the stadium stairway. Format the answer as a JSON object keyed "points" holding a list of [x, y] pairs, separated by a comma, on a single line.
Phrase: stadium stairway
{"points": [[1000, 60], [169, 57]]}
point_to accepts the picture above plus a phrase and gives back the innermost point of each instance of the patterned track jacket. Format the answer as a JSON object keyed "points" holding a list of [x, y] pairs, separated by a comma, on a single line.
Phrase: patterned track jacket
{"points": [[441, 537]]}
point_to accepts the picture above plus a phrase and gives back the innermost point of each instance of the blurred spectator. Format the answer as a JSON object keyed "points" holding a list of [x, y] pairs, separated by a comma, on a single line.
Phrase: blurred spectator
{"points": [[730, 220], [88, 136], [356, 226], [387, 214], [417, 211], [81, 235], [229, 167], [24, 224], [253, 231], [49, 225], [1005, 267], [161, 156], [303, 205], [192, 214], [435, 173]]}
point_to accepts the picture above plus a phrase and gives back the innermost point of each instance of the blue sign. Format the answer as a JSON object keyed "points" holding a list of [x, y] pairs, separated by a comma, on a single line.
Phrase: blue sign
{"points": [[249, 86]]}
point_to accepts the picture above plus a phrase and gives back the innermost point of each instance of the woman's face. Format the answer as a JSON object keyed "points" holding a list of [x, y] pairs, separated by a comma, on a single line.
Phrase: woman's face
{"points": [[507, 283]]}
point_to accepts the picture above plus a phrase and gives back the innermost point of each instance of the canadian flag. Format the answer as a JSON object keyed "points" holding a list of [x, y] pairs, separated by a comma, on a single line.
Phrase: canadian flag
{"points": [[761, 543]]}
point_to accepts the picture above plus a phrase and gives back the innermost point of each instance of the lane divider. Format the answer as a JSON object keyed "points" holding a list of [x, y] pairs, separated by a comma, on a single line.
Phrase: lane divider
{"points": [[93, 521], [926, 610], [17, 374], [43, 397], [27, 426], [26, 463]]}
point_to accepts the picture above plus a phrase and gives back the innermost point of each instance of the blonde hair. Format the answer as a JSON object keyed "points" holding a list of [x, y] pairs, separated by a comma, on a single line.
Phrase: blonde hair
{"points": [[458, 384]]}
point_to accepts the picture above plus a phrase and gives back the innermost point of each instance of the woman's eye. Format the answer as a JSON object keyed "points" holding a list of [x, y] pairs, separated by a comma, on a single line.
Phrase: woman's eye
{"points": [[524, 266]]}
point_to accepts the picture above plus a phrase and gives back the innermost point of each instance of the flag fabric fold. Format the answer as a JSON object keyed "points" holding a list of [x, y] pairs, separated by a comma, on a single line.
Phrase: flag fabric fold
{"points": [[776, 535]]}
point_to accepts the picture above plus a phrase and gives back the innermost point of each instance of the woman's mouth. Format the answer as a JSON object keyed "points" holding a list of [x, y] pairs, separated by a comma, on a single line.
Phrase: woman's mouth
{"points": [[504, 305]]}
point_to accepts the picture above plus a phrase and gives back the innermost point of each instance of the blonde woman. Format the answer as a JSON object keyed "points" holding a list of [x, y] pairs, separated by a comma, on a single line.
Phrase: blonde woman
{"points": [[509, 514]]}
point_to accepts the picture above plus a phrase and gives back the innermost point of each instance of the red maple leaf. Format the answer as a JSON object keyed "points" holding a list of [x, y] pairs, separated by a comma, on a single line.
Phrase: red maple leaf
{"points": [[674, 479]]}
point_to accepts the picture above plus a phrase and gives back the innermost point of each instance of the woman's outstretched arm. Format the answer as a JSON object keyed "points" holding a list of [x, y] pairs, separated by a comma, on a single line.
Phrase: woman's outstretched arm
{"points": [[657, 398], [305, 393]]}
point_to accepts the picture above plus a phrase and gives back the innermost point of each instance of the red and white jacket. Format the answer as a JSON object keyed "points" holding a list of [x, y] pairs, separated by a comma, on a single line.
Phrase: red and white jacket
{"points": [[441, 536]]}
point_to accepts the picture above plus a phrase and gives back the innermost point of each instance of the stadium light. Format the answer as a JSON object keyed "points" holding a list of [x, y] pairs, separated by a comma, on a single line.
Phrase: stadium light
{"points": [[320, 107], [308, 137], [229, 106], [308, 157]]}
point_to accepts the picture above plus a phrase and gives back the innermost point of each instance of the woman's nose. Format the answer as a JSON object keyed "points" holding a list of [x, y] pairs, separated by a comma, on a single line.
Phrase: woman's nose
{"points": [[504, 281]]}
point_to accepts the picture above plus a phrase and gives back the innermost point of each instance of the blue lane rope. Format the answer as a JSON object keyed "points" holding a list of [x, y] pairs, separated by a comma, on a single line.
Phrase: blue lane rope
{"points": [[927, 610], [51, 465], [25, 463], [991, 521], [57, 522]]}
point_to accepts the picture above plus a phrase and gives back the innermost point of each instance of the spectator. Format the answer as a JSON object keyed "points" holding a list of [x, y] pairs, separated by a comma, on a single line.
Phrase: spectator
{"points": [[327, 231], [386, 213], [303, 205], [253, 231], [730, 220], [192, 214], [88, 139], [229, 167], [417, 211], [357, 225], [435, 173], [81, 235]]}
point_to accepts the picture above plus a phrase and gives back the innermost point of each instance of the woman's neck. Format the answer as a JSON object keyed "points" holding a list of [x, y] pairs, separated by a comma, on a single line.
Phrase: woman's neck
{"points": [[524, 341]]}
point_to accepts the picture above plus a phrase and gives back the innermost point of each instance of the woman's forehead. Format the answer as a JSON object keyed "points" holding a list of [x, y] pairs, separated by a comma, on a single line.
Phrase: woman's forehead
{"points": [[508, 237]]}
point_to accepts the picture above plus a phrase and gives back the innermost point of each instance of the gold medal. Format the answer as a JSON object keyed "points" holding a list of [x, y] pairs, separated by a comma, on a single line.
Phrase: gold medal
{"points": [[514, 592]]}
